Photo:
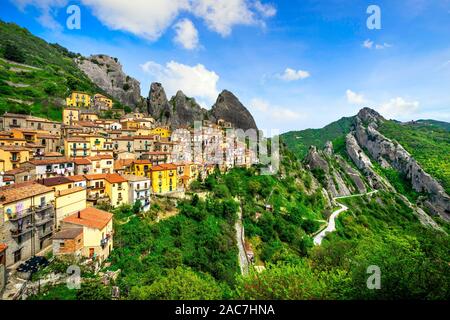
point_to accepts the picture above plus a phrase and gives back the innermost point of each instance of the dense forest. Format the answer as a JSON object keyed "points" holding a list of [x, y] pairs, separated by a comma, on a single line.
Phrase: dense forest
{"points": [[192, 254]]}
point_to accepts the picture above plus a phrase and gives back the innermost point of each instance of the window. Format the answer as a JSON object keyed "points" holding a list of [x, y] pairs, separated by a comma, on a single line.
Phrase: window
{"points": [[62, 245], [17, 255], [42, 201]]}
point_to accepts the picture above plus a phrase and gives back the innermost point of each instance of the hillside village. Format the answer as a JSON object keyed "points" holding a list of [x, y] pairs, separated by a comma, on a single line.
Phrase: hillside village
{"points": [[54, 175]]}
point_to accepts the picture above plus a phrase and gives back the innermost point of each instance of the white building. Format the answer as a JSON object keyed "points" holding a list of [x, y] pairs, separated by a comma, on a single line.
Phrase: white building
{"points": [[139, 189]]}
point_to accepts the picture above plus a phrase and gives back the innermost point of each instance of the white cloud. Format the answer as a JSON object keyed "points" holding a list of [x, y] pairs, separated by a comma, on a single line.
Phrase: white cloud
{"points": [[150, 19], [186, 34], [382, 46], [294, 75], [195, 81], [398, 107], [355, 98], [47, 10], [369, 44], [221, 16], [147, 19], [274, 112], [266, 10]]}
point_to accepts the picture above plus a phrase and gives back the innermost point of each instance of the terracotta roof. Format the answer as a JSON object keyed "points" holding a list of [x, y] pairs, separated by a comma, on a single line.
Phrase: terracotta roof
{"points": [[123, 163], [90, 217], [55, 181], [95, 176], [166, 166], [78, 178], [3, 247], [20, 191], [142, 162], [115, 178], [70, 191], [17, 171], [52, 154], [169, 166], [50, 161], [14, 148], [82, 161], [69, 233]]}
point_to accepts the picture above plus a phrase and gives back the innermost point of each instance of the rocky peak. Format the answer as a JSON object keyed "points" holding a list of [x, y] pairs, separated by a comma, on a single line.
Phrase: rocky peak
{"points": [[107, 73], [158, 105], [229, 108], [369, 116], [329, 148]]}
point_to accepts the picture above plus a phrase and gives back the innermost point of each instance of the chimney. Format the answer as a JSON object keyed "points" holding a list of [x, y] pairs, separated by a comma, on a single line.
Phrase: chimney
{"points": [[79, 214]]}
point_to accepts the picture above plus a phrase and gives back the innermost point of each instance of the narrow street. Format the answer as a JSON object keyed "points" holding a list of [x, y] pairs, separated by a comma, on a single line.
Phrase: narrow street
{"points": [[240, 238]]}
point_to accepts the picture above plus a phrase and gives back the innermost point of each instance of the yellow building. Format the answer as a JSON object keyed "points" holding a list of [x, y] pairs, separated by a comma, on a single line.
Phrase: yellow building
{"points": [[11, 157], [187, 173], [77, 147], [98, 232], [111, 187], [79, 99], [70, 116], [102, 100], [116, 188], [140, 168], [163, 132], [68, 202], [89, 116], [164, 178]]}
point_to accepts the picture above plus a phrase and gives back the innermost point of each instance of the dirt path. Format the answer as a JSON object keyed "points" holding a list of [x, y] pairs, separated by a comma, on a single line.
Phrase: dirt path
{"points": [[331, 227]]}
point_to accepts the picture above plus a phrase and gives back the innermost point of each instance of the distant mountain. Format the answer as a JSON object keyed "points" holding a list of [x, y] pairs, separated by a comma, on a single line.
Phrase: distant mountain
{"points": [[181, 110], [300, 141], [441, 124]]}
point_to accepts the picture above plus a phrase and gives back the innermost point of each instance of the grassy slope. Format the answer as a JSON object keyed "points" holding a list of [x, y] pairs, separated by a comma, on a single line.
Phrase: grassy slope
{"points": [[56, 77], [300, 141], [428, 144]]}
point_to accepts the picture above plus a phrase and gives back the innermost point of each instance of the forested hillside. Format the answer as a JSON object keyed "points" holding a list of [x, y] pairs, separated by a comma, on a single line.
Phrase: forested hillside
{"points": [[300, 141], [428, 143], [36, 77]]}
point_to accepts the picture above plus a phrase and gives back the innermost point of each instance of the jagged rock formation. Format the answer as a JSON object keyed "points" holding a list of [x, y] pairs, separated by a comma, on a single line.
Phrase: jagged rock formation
{"points": [[108, 74], [186, 110], [229, 108], [385, 150], [338, 178], [158, 105], [363, 162], [182, 110]]}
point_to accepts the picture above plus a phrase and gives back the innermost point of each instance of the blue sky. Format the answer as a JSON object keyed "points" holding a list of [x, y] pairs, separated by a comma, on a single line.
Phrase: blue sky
{"points": [[294, 64]]}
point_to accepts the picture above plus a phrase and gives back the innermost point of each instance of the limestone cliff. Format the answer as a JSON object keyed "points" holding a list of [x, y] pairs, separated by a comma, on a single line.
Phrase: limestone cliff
{"points": [[108, 74]]}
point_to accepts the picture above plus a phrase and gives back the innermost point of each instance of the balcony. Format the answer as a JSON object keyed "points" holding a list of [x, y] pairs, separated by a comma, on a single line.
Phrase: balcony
{"points": [[15, 125], [15, 233], [45, 233], [47, 218], [15, 159], [43, 207], [20, 215]]}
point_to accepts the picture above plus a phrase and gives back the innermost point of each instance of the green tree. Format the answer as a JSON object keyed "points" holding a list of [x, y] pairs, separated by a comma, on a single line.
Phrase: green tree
{"points": [[93, 290], [13, 53], [179, 284]]}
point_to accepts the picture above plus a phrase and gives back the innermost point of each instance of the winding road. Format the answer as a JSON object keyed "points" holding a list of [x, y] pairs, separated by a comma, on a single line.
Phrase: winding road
{"points": [[331, 227]]}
